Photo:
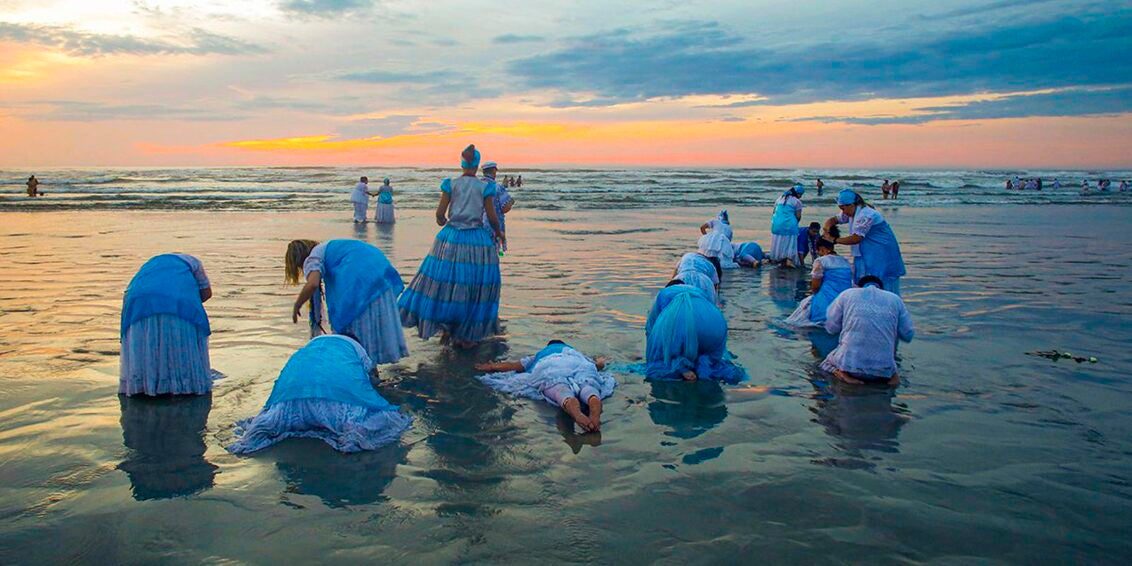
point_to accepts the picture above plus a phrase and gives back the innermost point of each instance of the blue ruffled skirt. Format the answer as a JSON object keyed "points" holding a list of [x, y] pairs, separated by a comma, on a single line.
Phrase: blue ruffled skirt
{"points": [[379, 331], [345, 427], [384, 214], [456, 289], [162, 355]]}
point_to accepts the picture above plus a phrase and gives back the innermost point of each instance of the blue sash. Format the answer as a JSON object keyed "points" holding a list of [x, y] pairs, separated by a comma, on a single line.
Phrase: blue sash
{"points": [[549, 351], [355, 274], [880, 254], [784, 222], [833, 282], [164, 285], [327, 368]]}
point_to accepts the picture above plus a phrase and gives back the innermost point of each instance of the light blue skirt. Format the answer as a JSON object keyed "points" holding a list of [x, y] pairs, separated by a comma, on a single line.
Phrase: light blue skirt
{"points": [[384, 214], [345, 427], [164, 355], [378, 330], [456, 289]]}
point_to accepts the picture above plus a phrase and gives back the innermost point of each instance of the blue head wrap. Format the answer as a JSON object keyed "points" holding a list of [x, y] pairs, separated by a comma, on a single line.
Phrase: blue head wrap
{"points": [[723, 216], [800, 189], [846, 196], [474, 163]]}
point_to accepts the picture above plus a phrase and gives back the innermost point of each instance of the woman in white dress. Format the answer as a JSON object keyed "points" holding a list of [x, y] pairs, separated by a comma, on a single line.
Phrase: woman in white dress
{"points": [[784, 226]]}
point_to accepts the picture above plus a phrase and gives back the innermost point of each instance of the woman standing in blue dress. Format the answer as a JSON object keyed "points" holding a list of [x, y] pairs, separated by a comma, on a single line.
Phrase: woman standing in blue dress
{"points": [[784, 226], [385, 213], [875, 249], [165, 329], [456, 290]]}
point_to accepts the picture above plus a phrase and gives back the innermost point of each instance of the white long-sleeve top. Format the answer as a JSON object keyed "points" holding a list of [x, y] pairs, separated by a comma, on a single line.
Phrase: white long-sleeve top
{"points": [[869, 321]]}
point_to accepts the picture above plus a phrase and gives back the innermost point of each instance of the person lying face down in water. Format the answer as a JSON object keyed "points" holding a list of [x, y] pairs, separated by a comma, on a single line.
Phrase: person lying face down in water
{"points": [[868, 320], [559, 375]]}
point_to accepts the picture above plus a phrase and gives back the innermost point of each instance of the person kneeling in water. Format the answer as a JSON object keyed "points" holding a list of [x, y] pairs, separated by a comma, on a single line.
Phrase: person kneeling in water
{"points": [[559, 375], [686, 337], [869, 320]]}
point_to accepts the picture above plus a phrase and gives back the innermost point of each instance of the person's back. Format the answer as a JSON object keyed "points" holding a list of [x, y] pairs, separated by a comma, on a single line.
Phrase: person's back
{"points": [[466, 209], [869, 321]]}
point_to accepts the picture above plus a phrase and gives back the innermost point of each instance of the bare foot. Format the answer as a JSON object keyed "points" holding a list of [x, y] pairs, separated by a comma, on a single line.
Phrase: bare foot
{"points": [[841, 375], [894, 381], [690, 376], [595, 412], [573, 407]]}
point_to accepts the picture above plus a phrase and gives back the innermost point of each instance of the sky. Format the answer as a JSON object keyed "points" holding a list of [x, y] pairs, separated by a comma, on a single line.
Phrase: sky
{"points": [[747, 83]]}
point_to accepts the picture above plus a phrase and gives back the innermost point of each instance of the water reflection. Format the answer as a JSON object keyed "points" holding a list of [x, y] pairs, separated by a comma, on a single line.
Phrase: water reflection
{"points": [[360, 229], [787, 287], [572, 435], [384, 234], [311, 467], [861, 417], [164, 438], [687, 409], [821, 342]]}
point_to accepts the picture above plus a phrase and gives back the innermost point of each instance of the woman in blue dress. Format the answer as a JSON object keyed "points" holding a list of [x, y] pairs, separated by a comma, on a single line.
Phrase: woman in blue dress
{"points": [[784, 226], [164, 329], [686, 337], [456, 290], [830, 276], [324, 392], [360, 288], [385, 213], [875, 249]]}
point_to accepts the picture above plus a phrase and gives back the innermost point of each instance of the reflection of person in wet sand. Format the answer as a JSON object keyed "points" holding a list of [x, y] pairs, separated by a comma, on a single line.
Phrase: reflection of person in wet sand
{"points": [[560, 375], [164, 438]]}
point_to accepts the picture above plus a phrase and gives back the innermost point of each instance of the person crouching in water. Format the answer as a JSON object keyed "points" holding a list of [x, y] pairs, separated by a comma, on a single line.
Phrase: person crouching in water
{"points": [[324, 392], [559, 375], [165, 329], [686, 337], [831, 275], [749, 254], [869, 321]]}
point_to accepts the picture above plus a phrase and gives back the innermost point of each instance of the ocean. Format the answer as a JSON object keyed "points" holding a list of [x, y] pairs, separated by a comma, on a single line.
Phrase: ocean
{"points": [[984, 454]]}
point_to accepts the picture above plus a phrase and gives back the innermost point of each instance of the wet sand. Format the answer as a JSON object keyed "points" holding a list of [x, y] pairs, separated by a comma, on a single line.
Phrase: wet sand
{"points": [[983, 453]]}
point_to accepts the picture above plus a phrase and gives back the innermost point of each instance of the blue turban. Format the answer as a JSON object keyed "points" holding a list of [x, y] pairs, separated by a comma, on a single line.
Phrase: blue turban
{"points": [[800, 189], [723, 216], [473, 164], [846, 196]]}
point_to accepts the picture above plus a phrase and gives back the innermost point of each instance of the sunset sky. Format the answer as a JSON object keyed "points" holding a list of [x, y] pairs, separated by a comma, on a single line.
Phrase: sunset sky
{"points": [[880, 83]]}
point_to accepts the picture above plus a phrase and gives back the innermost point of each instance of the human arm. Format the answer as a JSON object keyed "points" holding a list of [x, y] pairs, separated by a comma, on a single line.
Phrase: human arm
{"points": [[704, 227], [507, 205], [500, 366], [442, 209], [205, 294], [493, 218], [905, 330], [600, 362], [313, 282]]}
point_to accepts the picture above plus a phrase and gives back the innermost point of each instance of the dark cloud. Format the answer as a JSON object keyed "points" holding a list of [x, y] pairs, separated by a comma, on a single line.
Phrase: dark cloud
{"points": [[1072, 102], [509, 38], [1039, 51], [324, 8], [85, 44]]}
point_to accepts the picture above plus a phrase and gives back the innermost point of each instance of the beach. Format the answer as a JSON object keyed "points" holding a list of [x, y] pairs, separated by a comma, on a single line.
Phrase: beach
{"points": [[984, 453]]}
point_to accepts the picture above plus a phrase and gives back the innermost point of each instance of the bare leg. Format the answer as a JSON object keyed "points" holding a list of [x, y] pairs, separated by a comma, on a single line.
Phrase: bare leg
{"points": [[573, 407], [841, 375], [894, 381], [595, 412]]}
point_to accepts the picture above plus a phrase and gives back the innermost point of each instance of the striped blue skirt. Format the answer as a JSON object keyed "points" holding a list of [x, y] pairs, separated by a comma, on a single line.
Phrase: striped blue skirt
{"points": [[164, 355], [456, 290]]}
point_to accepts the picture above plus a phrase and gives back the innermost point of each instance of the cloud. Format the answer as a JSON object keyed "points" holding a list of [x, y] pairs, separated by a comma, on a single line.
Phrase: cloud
{"points": [[79, 111], [378, 76], [388, 126], [509, 38], [1068, 102], [1036, 52], [324, 8], [85, 44]]}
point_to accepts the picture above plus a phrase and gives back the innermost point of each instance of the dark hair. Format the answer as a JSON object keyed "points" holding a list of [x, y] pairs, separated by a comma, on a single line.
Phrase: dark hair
{"points": [[718, 267], [873, 279], [825, 244], [815, 226], [835, 231], [364, 179], [674, 282], [553, 342]]}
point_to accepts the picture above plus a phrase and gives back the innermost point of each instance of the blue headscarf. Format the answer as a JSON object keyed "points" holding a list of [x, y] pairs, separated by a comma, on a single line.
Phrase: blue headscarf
{"points": [[846, 197], [799, 189], [723, 216], [474, 163]]}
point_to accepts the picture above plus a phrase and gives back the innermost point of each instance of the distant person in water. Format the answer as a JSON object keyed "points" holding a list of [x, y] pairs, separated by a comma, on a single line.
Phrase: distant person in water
{"points": [[895, 189], [559, 375], [360, 199], [324, 392], [33, 186], [886, 188], [821, 187], [1056, 184], [784, 226], [686, 337], [875, 248], [868, 320], [1123, 186], [165, 330], [807, 237], [456, 290], [384, 212], [503, 202], [831, 275], [519, 182], [1084, 186], [359, 287], [749, 254], [1009, 185]]}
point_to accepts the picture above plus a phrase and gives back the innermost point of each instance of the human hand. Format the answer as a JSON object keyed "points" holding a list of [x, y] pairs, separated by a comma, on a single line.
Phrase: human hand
{"points": [[296, 312], [441, 220]]}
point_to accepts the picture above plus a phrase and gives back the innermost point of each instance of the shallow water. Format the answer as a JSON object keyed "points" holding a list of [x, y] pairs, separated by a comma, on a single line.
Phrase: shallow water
{"points": [[328, 188], [984, 453]]}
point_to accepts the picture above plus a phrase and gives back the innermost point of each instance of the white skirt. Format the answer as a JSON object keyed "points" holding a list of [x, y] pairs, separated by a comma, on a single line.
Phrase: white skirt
{"points": [[378, 330], [384, 214], [783, 247], [347, 428], [164, 354], [800, 318]]}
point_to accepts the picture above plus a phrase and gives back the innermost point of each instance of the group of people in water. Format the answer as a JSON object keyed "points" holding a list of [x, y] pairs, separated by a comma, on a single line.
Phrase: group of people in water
{"points": [[324, 391], [1036, 184]]}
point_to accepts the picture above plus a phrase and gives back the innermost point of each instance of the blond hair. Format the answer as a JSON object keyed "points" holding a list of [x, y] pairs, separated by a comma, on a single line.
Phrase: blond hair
{"points": [[297, 252]]}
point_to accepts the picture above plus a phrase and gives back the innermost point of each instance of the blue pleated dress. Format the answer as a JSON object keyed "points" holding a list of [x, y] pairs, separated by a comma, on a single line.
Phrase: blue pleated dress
{"points": [[686, 331]]}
